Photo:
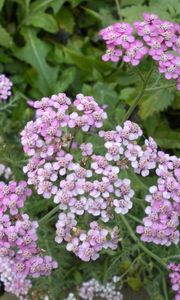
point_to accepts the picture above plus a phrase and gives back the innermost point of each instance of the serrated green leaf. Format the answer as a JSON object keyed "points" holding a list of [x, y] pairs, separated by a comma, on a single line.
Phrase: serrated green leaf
{"points": [[156, 102], [5, 38], [34, 53], [173, 6], [132, 13]]}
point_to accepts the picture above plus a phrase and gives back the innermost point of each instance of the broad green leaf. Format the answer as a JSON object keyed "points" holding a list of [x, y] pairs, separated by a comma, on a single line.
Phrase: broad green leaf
{"points": [[93, 13], [84, 62], [132, 2], [156, 102], [5, 38], [43, 20], [104, 94], [65, 80], [1, 4], [42, 5], [75, 3], [34, 53], [176, 103], [66, 20], [126, 93], [167, 138], [132, 13], [172, 6]]}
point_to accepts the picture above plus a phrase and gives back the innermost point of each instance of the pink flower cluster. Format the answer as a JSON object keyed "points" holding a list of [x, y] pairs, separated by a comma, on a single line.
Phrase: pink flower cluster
{"points": [[86, 244], [158, 38], [14, 284], [83, 182], [93, 289], [162, 221], [5, 87], [19, 251], [175, 278]]}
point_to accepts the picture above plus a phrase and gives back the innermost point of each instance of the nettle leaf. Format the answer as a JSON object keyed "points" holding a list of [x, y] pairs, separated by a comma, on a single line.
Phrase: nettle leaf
{"points": [[156, 102], [34, 53], [5, 38], [44, 21], [42, 5]]}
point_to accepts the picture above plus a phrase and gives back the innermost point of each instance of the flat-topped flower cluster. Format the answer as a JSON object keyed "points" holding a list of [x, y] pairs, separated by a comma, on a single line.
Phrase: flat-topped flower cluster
{"points": [[20, 256], [154, 37], [83, 182]]}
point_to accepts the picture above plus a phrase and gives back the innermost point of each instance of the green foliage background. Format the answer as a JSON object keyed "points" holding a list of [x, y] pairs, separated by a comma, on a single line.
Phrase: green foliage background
{"points": [[51, 46]]}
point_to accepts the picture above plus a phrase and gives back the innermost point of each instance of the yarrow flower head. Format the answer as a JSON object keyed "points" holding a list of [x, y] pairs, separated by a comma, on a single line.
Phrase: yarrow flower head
{"points": [[155, 37], [81, 181], [20, 257], [5, 87]]}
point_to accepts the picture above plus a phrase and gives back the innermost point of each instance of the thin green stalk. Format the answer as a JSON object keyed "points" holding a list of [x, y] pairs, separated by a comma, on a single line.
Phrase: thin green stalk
{"points": [[146, 250], [48, 215], [164, 287], [138, 98], [139, 73], [134, 261], [172, 257], [135, 219], [159, 88], [118, 8]]}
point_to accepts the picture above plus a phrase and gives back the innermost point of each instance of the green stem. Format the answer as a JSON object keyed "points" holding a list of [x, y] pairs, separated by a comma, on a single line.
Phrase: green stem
{"points": [[118, 8], [164, 287], [138, 98], [172, 257], [146, 250], [159, 87], [48, 215], [135, 219], [139, 73]]}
